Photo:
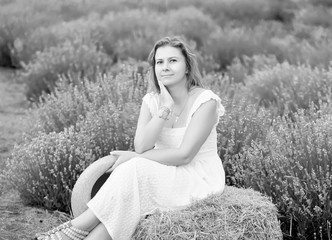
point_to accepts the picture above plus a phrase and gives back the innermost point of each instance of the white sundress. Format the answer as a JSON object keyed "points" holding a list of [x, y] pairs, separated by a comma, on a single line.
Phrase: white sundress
{"points": [[140, 186]]}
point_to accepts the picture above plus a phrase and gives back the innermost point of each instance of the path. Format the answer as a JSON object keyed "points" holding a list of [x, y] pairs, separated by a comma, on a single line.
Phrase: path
{"points": [[17, 221], [12, 109]]}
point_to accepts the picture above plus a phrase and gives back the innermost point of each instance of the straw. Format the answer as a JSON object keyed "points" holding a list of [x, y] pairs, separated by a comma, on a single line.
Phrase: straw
{"points": [[234, 214]]}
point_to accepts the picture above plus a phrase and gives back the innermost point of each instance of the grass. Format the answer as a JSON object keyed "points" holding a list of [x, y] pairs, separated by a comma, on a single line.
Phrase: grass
{"points": [[20, 222], [17, 221]]}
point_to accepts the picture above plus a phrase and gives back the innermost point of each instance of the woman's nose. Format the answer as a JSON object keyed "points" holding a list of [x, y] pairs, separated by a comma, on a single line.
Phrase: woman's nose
{"points": [[165, 66]]}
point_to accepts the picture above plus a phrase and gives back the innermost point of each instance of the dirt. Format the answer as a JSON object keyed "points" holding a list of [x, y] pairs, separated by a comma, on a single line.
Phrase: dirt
{"points": [[13, 108], [17, 221]]}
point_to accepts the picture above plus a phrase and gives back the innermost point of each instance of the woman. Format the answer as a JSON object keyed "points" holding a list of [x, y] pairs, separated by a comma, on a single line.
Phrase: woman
{"points": [[175, 159]]}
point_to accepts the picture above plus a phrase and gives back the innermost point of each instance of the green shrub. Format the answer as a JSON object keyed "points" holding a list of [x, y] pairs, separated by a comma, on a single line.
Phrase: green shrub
{"points": [[220, 11], [235, 42], [46, 165], [21, 18], [317, 16], [41, 75], [241, 68], [46, 168], [326, 3], [288, 87], [165, 6], [242, 124], [122, 35], [318, 54], [43, 38], [246, 11], [293, 166], [314, 35], [130, 34], [105, 6], [191, 23], [18, 19], [305, 45], [70, 103], [223, 85]]}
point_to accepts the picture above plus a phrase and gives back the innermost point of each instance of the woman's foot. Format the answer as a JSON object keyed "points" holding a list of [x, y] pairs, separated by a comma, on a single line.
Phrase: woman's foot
{"points": [[65, 231]]}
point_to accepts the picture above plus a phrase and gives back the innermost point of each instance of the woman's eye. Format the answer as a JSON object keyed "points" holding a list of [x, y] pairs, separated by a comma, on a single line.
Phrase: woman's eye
{"points": [[158, 62], [173, 60]]}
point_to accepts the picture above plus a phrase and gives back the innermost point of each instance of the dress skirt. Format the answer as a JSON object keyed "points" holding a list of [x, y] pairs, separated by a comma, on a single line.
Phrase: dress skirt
{"points": [[140, 186]]}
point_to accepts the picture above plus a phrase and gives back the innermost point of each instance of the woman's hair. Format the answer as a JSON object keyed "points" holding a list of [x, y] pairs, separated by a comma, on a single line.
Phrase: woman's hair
{"points": [[193, 76]]}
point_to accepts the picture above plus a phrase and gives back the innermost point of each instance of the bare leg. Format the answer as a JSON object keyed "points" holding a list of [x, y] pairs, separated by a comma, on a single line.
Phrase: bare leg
{"points": [[99, 233], [86, 221], [83, 224]]}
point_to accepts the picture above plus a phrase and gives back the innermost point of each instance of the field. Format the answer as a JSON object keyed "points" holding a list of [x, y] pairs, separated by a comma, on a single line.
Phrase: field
{"points": [[73, 74]]}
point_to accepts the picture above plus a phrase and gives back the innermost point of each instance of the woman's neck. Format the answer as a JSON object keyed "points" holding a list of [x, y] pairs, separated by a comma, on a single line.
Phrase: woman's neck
{"points": [[179, 95]]}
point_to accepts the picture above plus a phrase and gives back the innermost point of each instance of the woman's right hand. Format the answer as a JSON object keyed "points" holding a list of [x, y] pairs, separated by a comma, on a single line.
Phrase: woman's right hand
{"points": [[166, 99]]}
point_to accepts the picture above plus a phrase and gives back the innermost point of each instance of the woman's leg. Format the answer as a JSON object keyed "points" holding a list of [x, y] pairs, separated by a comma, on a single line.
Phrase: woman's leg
{"points": [[86, 221], [81, 226], [99, 233]]}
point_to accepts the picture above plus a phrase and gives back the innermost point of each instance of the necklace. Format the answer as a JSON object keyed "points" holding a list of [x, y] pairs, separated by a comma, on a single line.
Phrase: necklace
{"points": [[177, 116]]}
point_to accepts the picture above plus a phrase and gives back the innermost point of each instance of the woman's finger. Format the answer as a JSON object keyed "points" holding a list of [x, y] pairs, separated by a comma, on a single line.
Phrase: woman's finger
{"points": [[113, 167], [117, 152]]}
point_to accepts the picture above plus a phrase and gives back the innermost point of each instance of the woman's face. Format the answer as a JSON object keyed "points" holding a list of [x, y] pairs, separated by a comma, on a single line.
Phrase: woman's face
{"points": [[170, 66]]}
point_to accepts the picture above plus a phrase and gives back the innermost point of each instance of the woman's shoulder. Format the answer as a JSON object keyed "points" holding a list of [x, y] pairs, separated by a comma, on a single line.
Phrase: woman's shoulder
{"points": [[197, 91], [151, 99], [151, 95], [203, 93]]}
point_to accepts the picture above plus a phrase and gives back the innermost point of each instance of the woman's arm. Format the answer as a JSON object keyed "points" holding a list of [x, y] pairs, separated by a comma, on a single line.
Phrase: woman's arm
{"points": [[148, 129], [197, 132]]}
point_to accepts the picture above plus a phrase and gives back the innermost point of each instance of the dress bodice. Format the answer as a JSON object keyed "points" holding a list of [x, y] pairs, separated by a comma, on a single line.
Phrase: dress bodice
{"points": [[172, 137]]}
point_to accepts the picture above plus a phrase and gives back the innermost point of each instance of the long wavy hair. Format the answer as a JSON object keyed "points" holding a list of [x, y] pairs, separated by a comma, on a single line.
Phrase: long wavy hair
{"points": [[194, 77]]}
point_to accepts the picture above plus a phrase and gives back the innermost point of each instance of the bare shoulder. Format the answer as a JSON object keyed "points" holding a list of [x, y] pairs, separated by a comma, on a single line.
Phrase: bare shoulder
{"points": [[196, 91]]}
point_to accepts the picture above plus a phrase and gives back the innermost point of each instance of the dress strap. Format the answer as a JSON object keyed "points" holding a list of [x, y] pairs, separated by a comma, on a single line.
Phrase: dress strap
{"points": [[204, 97], [151, 99]]}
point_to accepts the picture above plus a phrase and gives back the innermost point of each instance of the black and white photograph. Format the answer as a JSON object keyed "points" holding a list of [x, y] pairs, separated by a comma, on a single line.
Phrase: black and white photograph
{"points": [[165, 119]]}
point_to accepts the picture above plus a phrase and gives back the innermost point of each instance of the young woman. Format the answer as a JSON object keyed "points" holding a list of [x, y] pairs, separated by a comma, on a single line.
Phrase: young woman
{"points": [[175, 159]]}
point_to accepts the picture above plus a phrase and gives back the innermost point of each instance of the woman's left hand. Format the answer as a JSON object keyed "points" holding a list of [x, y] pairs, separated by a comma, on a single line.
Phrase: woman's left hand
{"points": [[122, 156]]}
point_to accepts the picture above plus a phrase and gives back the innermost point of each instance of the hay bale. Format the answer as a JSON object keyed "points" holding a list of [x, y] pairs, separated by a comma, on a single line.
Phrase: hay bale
{"points": [[235, 214]]}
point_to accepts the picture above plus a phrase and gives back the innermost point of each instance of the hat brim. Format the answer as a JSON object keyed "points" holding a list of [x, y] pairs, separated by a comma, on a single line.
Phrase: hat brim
{"points": [[85, 184]]}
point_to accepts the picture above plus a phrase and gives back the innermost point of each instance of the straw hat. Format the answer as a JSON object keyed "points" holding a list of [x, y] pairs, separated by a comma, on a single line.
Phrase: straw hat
{"points": [[89, 183]]}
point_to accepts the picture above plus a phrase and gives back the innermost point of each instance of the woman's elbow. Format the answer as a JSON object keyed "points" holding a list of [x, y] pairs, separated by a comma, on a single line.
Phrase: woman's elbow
{"points": [[138, 148], [186, 158], [187, 154]]}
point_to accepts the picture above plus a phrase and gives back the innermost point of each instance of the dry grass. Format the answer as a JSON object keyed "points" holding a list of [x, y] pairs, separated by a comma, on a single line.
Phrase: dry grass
{"points": [[235, 214], [19, 222]]}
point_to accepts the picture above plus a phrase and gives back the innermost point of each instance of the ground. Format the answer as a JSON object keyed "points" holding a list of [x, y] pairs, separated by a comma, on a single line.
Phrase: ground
{"points": [[17, 221]]}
